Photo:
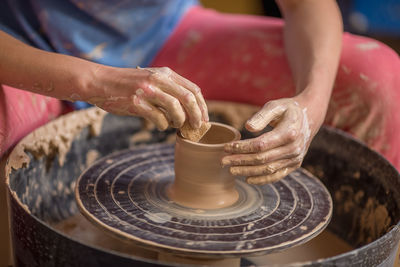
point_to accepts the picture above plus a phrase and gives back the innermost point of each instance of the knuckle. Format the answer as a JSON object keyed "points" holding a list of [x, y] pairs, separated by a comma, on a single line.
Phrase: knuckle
{"points": [[166, 70], [190, 98], [196, 89], [292, 135], [268, 169], [144, 83], [175, 104], [153, 77], [270, 105], [260, 158], [259, 146], [297, 151], [298, 161], [147, 90]]}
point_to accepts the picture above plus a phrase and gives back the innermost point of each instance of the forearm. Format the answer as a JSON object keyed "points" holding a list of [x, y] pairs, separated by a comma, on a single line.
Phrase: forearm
{"points": [[313, 36], [37, 71], [157, 94]]}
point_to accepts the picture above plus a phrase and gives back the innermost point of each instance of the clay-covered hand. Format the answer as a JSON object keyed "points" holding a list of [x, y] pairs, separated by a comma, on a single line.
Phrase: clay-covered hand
{"points": [[274, 154], [157, 94]]}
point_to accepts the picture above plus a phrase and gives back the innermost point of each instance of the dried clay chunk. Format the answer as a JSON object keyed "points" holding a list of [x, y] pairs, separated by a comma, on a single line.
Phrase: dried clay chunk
{"points": [[194, 135]]}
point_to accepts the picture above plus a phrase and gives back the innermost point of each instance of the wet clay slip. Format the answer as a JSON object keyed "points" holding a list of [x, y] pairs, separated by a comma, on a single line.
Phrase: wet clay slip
{"points": [[200, 181], [123, 193], [128, 194]]}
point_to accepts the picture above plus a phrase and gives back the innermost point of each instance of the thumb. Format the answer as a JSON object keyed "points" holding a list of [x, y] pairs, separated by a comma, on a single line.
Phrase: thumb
{"points": [[263, 117]]}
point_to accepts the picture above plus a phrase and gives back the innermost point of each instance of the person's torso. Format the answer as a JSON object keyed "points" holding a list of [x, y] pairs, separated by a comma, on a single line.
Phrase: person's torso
{"points": [[122, 33]]}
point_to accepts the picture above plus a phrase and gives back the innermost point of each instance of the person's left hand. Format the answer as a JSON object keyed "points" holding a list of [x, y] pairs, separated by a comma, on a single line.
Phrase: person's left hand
{"points": [[274, 154]]}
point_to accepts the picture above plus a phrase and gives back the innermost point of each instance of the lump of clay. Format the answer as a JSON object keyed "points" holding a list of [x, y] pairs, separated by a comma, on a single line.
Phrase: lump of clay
{"points": [[192, 134]]}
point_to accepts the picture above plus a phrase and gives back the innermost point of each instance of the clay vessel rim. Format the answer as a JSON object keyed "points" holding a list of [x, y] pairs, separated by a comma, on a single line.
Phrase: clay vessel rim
{"points": [[201, 146]]}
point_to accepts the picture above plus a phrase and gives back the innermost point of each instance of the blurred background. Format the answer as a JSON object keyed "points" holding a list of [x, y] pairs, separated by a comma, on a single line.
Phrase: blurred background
{"points": [[379, 19]]}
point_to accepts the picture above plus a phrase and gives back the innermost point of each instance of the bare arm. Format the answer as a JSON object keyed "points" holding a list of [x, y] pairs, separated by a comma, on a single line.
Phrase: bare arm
{"points": [[313, 35], [51, 74], [158, 94], [313, 40]]}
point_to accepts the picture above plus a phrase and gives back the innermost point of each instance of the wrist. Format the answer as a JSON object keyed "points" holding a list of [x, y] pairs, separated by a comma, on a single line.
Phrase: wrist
{"points": [[92, 81], [315, 106], [73, 78]]}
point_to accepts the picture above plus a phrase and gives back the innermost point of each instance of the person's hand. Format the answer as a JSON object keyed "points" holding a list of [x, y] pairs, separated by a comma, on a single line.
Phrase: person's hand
{"points": [[157, 94], [272, 155]]}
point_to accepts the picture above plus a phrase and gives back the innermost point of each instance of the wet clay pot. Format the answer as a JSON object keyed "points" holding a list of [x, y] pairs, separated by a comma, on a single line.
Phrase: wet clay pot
{"points": [[200, 181], [41, 177]]}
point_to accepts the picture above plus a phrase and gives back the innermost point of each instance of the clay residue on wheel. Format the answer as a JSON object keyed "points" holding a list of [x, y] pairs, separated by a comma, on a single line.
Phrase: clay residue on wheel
{"points": [[91, 156], [79, 228], [372, 218], [142, 136], [55, 138]]}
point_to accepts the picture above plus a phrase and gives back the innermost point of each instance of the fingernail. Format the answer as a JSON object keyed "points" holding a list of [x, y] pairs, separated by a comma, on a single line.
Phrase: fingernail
{"points": [[139, 92], [225, 162], [228, 147], [233, 171], [174, 124], [197, 124], [161, 128], [235, 146], [249, 126], [207, 118], [250, 181], [250, 123], [253, 124]]}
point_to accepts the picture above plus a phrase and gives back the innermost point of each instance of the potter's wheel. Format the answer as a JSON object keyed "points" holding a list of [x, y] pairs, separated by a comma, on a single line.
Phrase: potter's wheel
{"points": [[125, 193]]}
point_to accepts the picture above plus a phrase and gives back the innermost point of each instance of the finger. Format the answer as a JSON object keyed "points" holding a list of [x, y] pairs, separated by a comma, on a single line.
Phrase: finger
{"points": [[185, 97], [253, 145], [203, 106], [264, 179], [195, 90], [283, 152], [262, 143], [263, 117], [171, 105], [142, 108], [116, 107], [266, 168], [286, 132]]}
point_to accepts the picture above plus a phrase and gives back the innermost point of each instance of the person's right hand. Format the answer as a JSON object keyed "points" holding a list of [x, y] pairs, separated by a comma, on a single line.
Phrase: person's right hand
{"points": [[157, 94]]}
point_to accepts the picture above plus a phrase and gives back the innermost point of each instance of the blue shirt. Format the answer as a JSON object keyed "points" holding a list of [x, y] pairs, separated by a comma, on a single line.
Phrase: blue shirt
{"points": [[123, 33]]}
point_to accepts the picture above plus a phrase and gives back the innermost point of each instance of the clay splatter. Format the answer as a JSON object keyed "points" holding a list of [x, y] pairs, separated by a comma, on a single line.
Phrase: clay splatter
{"points": [[159, 217], [368, 46]]}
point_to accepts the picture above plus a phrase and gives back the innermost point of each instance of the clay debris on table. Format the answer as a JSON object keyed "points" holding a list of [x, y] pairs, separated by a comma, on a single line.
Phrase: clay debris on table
{"points": [[192, 134]]}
